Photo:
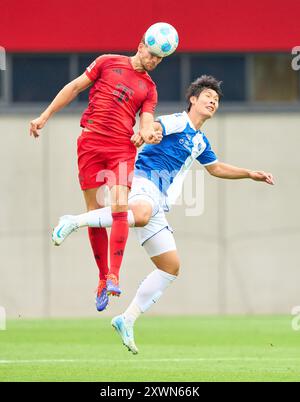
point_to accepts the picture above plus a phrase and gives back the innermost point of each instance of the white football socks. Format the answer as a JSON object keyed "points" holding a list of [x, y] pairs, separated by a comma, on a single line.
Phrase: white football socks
{"points": [[148, 293], [100, 218]]}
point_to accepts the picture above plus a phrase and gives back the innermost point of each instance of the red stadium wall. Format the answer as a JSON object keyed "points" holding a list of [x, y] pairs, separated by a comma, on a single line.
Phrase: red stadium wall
{"points": [[78, 25]]}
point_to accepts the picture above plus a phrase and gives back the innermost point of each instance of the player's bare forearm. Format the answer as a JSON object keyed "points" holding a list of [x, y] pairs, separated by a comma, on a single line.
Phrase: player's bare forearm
{"points": [[67, 94], [226, 171], [62, 99], [146, 124], [147, 129]]}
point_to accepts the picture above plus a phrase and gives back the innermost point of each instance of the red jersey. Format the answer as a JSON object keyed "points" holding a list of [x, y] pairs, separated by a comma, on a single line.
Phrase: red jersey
{"points": [[117, 94]]}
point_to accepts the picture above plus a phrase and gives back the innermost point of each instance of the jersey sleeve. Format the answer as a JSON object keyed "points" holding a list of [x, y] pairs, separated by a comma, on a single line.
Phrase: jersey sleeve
{"points": [[172, 123], [150, 102], [94, 70], [208, 157]]}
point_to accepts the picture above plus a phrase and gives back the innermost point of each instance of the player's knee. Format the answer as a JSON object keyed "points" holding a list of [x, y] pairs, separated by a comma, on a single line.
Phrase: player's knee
{"points": [[92, 203], [175, 266], [142, 211], [119, 198], [119, 208], [174, 269], [92, 206], [141, 218]]}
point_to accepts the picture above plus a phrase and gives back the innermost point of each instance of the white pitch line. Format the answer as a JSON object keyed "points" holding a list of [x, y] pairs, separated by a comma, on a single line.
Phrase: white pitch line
{"points": [[37, 361], [137, 360]]}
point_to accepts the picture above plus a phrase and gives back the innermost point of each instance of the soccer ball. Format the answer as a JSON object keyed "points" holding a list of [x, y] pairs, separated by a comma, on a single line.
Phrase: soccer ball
{"points": [[161, 39]]}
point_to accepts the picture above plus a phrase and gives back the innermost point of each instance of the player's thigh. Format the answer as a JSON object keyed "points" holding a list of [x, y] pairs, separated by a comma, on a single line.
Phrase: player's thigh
{"points": [[161, 248], [121, 165], [91, 161], [94, 198]]}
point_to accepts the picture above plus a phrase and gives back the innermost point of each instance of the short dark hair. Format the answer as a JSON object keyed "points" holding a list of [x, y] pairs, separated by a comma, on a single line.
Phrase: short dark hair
{"points": [[201, 83]]}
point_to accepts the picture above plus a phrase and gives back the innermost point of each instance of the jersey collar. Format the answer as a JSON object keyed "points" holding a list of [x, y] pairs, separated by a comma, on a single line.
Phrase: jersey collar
{"points": [[190, 122]]}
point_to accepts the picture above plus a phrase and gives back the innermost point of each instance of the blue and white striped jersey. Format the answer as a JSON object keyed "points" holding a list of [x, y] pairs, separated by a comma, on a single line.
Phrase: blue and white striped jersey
{"points": [[167, 163]]}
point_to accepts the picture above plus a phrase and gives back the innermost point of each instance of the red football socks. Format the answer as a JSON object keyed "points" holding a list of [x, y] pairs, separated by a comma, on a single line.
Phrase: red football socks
{"points": [[99, 242], [118, 240]]}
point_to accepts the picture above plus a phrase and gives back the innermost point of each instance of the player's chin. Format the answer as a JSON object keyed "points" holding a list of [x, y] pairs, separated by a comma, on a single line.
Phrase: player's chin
{"points": [[149, 67], [208, 114]]}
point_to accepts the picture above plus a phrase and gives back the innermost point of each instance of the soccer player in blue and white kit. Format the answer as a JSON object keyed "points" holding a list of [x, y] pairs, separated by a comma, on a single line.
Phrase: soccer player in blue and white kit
{"points": [[158, 178]]}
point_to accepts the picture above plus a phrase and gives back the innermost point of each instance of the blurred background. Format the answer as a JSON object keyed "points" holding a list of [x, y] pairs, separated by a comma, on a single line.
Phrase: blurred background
{"points": [[242, 254]]}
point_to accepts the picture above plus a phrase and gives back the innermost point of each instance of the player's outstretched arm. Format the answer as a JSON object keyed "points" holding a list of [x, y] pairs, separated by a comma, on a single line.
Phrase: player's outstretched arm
{"points": [[62, 99], [225, 171]]}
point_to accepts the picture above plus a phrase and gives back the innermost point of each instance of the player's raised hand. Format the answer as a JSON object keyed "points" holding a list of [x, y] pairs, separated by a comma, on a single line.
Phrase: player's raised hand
{"points": [[36, 125], [262, 176], [137, 140]]}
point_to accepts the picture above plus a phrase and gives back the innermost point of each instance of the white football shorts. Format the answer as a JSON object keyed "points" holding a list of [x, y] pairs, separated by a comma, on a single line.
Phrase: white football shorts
{"points": [[157, 236]]}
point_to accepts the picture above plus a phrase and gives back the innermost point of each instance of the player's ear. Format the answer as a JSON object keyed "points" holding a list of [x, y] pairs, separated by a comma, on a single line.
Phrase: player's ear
{"points": [[141, 46], [193, 100]]}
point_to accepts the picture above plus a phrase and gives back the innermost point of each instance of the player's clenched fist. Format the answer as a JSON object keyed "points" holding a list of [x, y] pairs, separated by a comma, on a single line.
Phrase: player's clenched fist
{"points": [[137, 140], [151, 137], [36, 125]]}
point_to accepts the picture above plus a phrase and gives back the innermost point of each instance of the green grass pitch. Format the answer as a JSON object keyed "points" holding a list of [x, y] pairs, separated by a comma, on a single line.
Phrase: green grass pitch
{"points": [[200, 348]]}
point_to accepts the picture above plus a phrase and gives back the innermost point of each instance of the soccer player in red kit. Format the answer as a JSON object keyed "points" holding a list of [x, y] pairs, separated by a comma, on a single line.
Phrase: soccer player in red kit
{"points": [[120, 87]]}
